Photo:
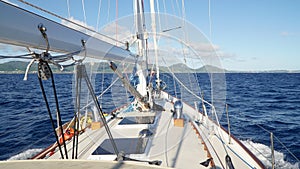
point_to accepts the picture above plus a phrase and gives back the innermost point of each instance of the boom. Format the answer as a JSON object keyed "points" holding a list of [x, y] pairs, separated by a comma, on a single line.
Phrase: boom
{"points": [[20, 27]]}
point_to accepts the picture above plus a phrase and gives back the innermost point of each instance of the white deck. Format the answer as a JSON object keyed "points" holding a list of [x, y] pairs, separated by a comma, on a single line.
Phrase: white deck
{"points": [[72, 164], [176, 147]]}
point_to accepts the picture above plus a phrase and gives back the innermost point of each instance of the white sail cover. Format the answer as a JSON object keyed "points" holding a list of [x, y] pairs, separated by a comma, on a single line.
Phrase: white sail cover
{"points": [[20, 27]]}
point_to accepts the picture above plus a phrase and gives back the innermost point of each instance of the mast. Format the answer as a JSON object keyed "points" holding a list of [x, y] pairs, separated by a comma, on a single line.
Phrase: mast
{"points": [[140, 28], [141, 36], [153, 24]]}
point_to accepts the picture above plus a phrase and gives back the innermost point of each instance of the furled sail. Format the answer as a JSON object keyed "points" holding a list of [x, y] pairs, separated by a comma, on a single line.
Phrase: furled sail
{"points": [[20, 27]]}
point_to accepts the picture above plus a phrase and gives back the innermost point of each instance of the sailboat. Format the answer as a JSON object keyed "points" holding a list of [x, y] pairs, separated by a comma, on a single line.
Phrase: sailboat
{"points": [[161, 117]]}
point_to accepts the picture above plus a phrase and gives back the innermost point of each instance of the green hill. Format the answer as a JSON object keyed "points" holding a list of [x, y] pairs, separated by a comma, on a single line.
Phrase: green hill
{"points": [[20, 67]]}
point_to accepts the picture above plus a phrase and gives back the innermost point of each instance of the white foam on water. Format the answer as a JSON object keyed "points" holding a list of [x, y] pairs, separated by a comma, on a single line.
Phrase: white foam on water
{"points": [[263, 153], [25, 154]]}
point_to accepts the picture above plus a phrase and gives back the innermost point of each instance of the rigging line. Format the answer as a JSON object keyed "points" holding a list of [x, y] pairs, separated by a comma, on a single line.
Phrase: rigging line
{"points": [[252, 146], [158, 12], [278, 141], [109, 87], [50, 116], [102, 85], [98, 16], [90, 88], [178, 8], [209, 19], [103, 92], [58, 111], [286, 148], [261, 153], [183, 13], [174, 83], [164, 4], [173, 8], [76, 113], [116, 22], [84, 15], [90, 75], [165, 11], [127, 96], [184, 28], [4, 57], [210, 34], [191, 92], [17, 56], [68, 6], [108, 10], [60, 17]]}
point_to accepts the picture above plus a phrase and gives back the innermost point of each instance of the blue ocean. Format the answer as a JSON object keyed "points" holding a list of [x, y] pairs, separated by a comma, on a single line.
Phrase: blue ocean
{"points": [[259, 103]]}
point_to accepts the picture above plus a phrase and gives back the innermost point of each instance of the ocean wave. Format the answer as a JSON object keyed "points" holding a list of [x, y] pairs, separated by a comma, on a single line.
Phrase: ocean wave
{"points": [[25, 155], [263, 153]]}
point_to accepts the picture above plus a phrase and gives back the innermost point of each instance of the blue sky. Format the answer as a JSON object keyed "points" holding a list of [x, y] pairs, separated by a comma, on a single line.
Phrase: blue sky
{"points": [[251, 35]]}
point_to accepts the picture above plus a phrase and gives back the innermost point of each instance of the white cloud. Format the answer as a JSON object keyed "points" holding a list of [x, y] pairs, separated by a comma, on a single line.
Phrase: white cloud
{"points": [[121, 34], [76, 27], [286, 33]]}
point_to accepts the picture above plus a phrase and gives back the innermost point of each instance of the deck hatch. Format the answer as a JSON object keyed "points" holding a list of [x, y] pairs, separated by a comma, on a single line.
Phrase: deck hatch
{"points": [[137, 120], [128, 145]]}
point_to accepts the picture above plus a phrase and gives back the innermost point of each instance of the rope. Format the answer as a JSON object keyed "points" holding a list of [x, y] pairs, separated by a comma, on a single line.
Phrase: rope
{"points": [[79, 71], [44, 72], [60, 17], [17, 56], [51, 119]]}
